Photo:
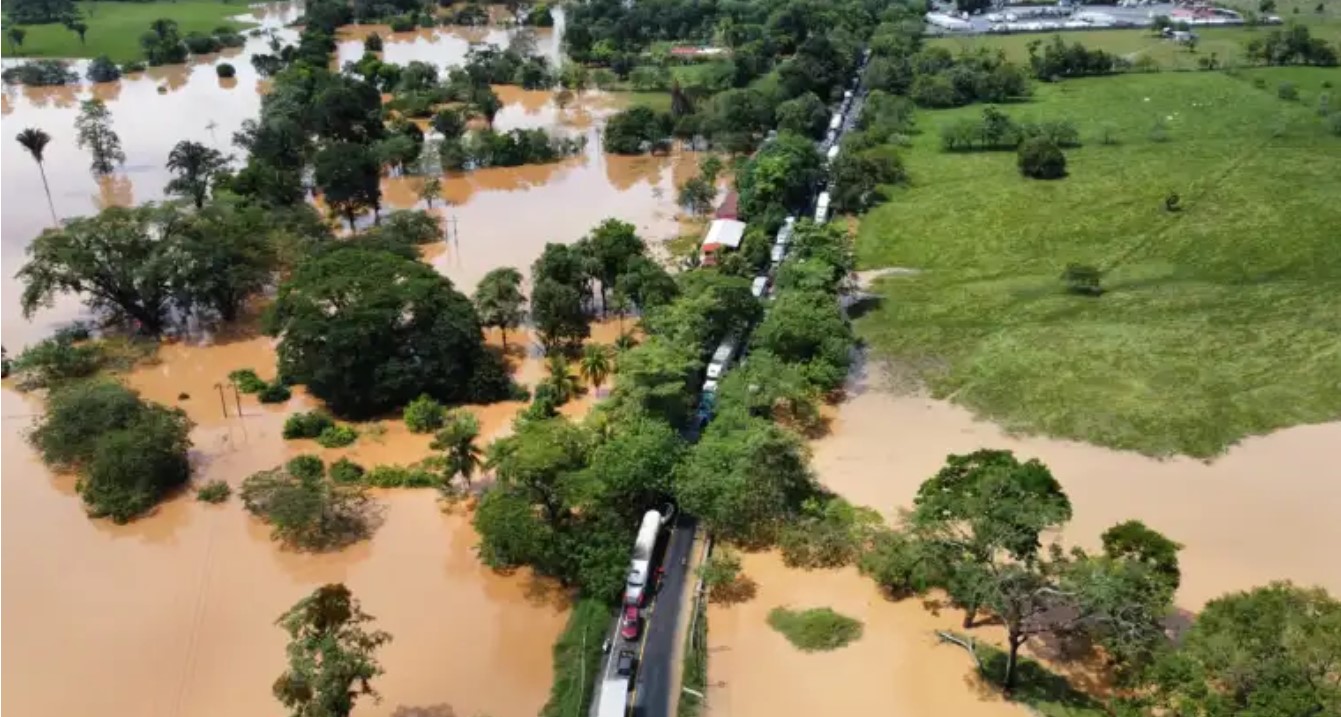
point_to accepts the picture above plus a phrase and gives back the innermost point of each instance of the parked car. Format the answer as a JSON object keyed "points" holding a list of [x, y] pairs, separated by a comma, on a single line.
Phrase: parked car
{"points": [[629, 624], [624, 663]]}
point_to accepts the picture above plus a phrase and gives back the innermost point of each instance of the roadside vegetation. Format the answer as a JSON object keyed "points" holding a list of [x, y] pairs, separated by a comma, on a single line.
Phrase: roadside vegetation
{"points": [[577, 658]]}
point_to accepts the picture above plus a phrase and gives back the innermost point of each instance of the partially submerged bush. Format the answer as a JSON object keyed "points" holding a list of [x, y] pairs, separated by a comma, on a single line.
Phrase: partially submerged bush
{"points": [[395, 476], [225, 71], [246, 380], [307, 425], [372, 43], [815, 630], [129, 453], [215, 491], [307, 510], [424, 415], [41, 73], [346, 472], [53, 361], [274, 393], [102, 69], [337, 436]]}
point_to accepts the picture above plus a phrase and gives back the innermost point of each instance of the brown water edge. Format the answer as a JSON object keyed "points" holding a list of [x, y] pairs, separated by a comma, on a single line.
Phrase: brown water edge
{"points": [[194, 589], [895, 668], [1266, 510]]}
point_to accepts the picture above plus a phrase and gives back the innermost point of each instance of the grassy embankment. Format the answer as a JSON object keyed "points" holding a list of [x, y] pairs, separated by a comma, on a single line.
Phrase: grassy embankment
{"points": [[1219, 321], [114, 28], [1226, 44], [815, 630], [577, 657], [695, 674]]}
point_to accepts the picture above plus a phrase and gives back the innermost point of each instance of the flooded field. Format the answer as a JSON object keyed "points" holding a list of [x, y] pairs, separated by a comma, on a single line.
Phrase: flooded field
{"points": [[173, 615], [1264, 511]]}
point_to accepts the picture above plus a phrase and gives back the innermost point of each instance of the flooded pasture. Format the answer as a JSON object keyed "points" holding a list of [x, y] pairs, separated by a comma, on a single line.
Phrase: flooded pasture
{"points": [[173, 614]]}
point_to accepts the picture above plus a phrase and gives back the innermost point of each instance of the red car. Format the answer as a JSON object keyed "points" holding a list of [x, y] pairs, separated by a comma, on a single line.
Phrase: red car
{"points": [[628, 627]]}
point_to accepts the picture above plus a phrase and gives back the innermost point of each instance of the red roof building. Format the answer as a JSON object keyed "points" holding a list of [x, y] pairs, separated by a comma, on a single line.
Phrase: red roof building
{"points": [[729, 208]]}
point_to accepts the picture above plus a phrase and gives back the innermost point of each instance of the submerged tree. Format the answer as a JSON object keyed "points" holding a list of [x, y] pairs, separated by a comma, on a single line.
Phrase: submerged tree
{"points": [[331, 652], [349, 177], [194, 166], [595, 365], [94, 128], [457, 439], [499, 300], [35, 141]]}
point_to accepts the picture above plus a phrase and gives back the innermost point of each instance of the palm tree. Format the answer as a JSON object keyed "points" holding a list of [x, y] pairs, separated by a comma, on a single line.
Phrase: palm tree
{"points": [[457, 439], [595, 365], [563, 382], [35, 141]]}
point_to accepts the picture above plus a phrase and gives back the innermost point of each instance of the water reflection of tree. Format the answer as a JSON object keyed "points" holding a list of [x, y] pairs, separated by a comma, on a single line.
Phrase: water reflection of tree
{"points": [[174, 77], [64, 97], [6, 106], [115, 190], [624, 172], [107, 91]]}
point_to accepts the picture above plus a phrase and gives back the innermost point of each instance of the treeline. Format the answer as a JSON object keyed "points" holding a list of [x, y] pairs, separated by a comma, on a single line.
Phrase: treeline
{"points": [[995, 130], [781, 66]]}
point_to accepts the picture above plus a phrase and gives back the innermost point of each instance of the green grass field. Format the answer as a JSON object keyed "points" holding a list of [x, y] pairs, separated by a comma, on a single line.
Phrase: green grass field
{"points": [[1226, 44], [1219, 321], [114, 28]]}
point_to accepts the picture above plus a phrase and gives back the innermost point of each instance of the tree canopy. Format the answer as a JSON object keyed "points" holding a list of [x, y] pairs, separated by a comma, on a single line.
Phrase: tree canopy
{"points": [[368, 331], [331, 654]]}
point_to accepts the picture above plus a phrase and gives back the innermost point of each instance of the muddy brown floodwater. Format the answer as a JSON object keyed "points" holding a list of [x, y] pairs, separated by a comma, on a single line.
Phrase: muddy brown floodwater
{"points": [[173, 615], [1266, 510]]}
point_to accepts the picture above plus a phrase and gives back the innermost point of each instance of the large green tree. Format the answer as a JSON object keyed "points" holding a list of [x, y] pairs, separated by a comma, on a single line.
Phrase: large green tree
{"points": [[558, 313], [744, 478], [654, 379], [226, 253], [612, 247], [349, 177], [332, 654], [1272, 651], [119, 260], [779, 178], [499, 300], [369, 331], [194, 167], [808, 328]]}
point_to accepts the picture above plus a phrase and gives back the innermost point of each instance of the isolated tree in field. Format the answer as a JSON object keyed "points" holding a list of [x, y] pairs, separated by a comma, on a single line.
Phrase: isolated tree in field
{"points": [[430, 190], [457, 439], [35, 141], [194, 166], [79, 29], [981, 506], [369, 331], [15, 35], [94, 133], [499, 300], [1041, 158], [331, 654], [129, 453], [595, 365], [1268, 651], [119, 260], [349, 177]]}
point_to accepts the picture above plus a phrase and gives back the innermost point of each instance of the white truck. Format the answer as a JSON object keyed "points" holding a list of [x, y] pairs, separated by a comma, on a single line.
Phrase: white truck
{"points": [[721, 358], [822, 208], [759, 286], [635, 587]]}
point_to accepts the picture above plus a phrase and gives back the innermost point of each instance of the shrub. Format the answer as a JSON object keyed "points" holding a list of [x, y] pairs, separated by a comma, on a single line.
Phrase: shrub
{"points": [[305, 509], [1287, 91], [372, 43], [102, 69], [395, 476], [132, 67], [1108, 134], [1259, 83], [40, 73], [274, 393], [337, 436], [1040, 158], [817, 629], [246, 380], [306, 466], [215, 491], [424, 415], [722, 575], [225, 71], [129, 453], [307, 425], [1083, 279], [346, 472], [56, 360], [200, 44], [828, 535], [402, 23]]}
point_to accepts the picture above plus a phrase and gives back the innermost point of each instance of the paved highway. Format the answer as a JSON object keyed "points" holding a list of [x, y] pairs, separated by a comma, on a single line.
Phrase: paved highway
{"points": [[657, 677]]}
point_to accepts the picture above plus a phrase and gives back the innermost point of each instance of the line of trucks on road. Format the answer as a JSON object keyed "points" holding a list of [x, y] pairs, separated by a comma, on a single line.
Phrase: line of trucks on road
{"points": [[613, 700]]}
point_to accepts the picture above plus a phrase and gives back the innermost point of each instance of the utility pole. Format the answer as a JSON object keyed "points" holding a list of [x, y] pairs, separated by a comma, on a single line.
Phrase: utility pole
{"points": [[222, 403]]}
